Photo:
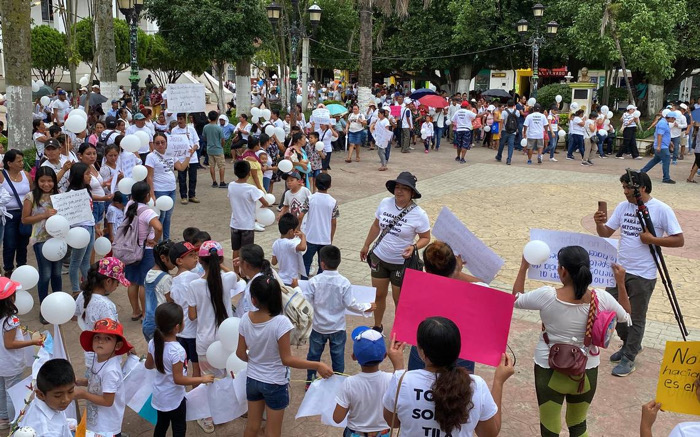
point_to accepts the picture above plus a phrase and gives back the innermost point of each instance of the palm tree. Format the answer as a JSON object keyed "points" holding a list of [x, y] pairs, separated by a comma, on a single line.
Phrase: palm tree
{"points": [[608, 23]]}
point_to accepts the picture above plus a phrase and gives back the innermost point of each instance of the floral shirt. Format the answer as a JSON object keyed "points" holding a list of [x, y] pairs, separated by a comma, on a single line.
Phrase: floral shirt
{"points": [[314, 157], [38, 228]]}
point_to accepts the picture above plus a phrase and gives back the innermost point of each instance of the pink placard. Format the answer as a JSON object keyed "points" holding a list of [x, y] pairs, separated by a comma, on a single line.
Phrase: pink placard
{"points": [[482, 314], [395, 111]]}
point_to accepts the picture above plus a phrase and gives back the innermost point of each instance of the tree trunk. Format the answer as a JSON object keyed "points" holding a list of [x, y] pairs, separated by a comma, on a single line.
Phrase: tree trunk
{"points": [[655, 97], [465, 77], [630, 95], [221, 104], [243, 87], [16, 15], [364, 79], [106, 57]]}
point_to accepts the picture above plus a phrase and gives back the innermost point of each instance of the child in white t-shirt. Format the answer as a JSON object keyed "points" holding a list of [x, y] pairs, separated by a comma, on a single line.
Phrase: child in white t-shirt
{"points": [[296, 195], [115, 215], [265, 345], [426, 133], [287, 249], [168, 357], [105, 394], [322, 211], [360, 397]]}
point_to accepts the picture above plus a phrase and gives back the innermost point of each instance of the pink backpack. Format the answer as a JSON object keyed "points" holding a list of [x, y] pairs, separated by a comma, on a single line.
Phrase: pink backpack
{"points": [[600, 328]]}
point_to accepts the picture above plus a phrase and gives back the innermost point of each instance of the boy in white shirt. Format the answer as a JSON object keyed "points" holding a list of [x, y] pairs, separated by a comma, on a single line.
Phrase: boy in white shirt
{"points": [[330, 293], [46, 414], [360, 397], [288, 248], [242, 197], [322, 210]]}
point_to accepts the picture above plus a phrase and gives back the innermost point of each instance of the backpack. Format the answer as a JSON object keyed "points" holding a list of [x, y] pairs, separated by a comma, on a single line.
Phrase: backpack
{"points": [[298, 310], [511, 125], [127, 246]]}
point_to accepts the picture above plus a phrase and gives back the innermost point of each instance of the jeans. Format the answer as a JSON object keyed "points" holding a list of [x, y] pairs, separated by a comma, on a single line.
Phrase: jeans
{"points": [[317, 343], [7, 410], [601, 140], [629, 142], [165, 216], [575, 144], [438, 137], [80, 261], [510, 140], [415, 363], [639, 291], [176, 417], [663, 156], [387, 152], [552, 146], [14, 244], [311, 249], [182, 180], [519, 134], [676, 147], [49, 271]]}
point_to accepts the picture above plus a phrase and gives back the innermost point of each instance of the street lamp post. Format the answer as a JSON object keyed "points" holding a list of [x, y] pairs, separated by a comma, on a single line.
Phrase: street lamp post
{"points": [[131, 10], [536, 41], [295, 31]]}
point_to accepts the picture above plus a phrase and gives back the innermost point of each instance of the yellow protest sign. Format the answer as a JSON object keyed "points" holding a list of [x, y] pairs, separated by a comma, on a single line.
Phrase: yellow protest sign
{"points": [[680, 368]]}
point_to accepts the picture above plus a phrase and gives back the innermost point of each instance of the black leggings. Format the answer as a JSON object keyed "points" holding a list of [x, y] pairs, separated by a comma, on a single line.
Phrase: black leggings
{"points": [[178, 419]]}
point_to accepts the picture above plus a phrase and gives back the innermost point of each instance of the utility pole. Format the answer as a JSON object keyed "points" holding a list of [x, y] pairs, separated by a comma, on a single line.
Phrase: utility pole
{"points": [[107, 58], [304, 73], [16, 39]]}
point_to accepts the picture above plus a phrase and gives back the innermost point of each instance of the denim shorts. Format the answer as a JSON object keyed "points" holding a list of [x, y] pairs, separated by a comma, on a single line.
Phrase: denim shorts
{"points": [[276, 397], [98, 212], [136, 272], [355, 137], [190, 347]]}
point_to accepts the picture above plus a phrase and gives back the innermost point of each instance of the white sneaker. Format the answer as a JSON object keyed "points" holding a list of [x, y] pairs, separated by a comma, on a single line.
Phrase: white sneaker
{"points": [[553, 159], [259, 227]]}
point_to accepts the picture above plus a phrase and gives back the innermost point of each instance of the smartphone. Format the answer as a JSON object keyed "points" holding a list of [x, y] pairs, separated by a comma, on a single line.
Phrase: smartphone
{"points": [[603, 206]]}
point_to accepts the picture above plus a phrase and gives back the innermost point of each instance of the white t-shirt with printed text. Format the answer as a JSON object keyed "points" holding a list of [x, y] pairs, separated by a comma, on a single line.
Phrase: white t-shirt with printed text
{"points": [[403, 234], [108, 379]]}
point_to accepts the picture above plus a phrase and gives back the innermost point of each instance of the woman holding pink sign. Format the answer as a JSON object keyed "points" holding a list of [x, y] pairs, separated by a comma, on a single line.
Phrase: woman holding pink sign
{"points": [[567, 356]]}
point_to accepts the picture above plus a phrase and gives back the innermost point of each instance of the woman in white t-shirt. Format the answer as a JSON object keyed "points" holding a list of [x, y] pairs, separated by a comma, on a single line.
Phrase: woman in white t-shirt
{"points": [[564, 314], [450, 400], [87, 154], [40, 136], [577, 133], [394, 242], [355, 130], [161, 177], [382, 132]]}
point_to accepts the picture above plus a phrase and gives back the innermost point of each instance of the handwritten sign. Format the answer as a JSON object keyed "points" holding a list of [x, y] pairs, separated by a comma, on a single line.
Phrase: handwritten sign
{"points": [[74, 206], [602, 252], [481, 261], [178, 147], [186, 97], [680, 368], [482, 314], [321, 116]]}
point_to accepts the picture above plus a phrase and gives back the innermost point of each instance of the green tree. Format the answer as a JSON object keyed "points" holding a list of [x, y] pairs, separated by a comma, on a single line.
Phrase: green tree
{"points": [[48, 52], [85, 43], [166, 66]]}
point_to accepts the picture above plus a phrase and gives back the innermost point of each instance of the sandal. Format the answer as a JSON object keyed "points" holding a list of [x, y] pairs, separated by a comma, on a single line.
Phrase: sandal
{"points": [[357, 159], [348, 160], [136, 318], [691, 181]]}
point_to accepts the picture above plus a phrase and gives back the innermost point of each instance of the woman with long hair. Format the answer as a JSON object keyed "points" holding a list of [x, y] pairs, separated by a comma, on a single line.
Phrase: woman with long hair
{"points": [[18, 183]]}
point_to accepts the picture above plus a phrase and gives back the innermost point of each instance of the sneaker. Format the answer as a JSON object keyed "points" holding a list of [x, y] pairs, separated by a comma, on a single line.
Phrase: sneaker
{"points": [[590, 162], [616, 357], [259, 228], [508, 162], [194, 200], [553, 159], [412, 148], [184, 201], [426, 151], [462, 161], [669, 181], [603, 157], [570, 158], [214, 185], [674, 162], [529, 161], [498, 159], [620, 157], [638, 157], [222, 184], [585, 163], [206, 424], [624, 368], [539, 159], [457, 159]]}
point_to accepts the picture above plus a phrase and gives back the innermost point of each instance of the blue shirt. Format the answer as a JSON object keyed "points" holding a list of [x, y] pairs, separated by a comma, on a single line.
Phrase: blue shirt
{"points": [[227, 130], [665, 132], [112, 113]]}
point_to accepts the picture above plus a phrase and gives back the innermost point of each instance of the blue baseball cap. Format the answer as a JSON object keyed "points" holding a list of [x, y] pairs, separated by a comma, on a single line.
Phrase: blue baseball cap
{"points": [[368, 345]]}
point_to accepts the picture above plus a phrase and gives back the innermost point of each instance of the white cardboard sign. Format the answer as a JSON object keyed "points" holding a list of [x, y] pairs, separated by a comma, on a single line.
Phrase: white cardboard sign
{"points": [[186, 97], [74, 206]]}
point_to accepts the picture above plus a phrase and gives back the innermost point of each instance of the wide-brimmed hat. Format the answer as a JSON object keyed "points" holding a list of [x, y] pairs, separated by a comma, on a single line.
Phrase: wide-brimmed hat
{"points": [[8, 287], [105, 326], [405, 178]]}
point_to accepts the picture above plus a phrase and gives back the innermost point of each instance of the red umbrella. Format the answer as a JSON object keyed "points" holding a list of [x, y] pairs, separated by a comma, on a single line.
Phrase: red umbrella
{"points": [[433, 101]]}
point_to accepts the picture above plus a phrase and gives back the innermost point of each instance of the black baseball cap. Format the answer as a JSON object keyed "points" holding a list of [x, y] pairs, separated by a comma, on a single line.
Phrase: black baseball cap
{"points": [[111, 122], [292, 174], [52, 143]]}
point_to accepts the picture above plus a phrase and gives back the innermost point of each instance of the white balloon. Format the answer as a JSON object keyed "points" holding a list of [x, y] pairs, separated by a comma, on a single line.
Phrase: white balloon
{"points": [[75, 124], [45, 100], [603, 133], [270, 198], [235, 365], [84, 81], [125, 185], [25, 431], [319, 146], [269, 130], [279, 133], [448, 122], [131, 143], [78, 113], [606, 123], [536, 252], [24, 302], [217, 355], [487, 128], [523, 142], [558, 98], [139, 173], [637, 114], [54, 249], [255, 112], [78, 238], [531, 101], [40, 82], [164, 203], [102, 246], [35, 87], [604, 109], [57, 226], [266, 114], [255, 119], [265, 216], [609, 115], [574, 106], [562, 133], [144, 137], [285, 166], [228, 333], [26, 275], [58, 307]]}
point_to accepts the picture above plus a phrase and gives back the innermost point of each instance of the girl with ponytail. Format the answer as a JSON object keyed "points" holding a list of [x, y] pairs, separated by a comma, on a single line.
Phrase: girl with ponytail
{"points": [[251, 263], [564, 314], [445, 396], [168, 357]]}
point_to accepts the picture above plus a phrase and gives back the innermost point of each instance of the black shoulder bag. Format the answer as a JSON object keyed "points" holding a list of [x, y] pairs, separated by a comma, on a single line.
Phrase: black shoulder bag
{"points": [[24, 230]]}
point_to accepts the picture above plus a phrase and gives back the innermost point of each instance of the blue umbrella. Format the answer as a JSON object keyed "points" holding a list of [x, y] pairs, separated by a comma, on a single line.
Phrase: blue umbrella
{"points": [[420, 93], [336, 109]]}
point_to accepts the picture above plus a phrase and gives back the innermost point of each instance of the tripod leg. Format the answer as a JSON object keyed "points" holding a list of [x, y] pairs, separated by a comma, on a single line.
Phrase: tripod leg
{"points": [[668, 285]]}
